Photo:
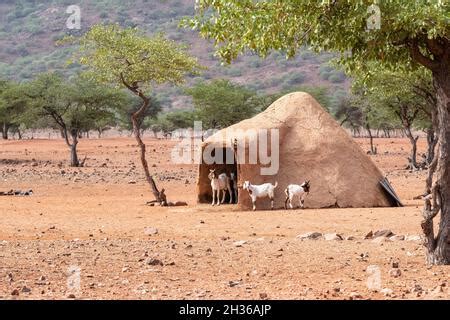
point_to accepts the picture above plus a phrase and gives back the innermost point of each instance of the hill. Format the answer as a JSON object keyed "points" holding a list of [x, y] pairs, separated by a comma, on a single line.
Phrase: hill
{"points": [[29, 30]]}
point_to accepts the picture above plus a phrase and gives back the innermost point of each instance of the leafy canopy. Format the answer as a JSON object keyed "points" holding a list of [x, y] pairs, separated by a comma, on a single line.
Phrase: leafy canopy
{"points": [[12, 102], [80, 105], [126, 57], [221, 103], [287, 25]]}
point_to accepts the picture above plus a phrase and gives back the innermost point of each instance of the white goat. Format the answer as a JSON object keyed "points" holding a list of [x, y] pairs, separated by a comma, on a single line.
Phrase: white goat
{"points": [[219, 183], [293, 190], [260, 191]]}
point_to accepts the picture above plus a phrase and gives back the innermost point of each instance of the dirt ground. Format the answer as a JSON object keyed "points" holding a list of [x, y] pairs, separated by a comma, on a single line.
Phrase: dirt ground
{"points": [[87, 233]]}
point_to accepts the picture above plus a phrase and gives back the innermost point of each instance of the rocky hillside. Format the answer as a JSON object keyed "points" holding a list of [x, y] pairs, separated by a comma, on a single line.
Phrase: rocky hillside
{"points": [[29, 29]]}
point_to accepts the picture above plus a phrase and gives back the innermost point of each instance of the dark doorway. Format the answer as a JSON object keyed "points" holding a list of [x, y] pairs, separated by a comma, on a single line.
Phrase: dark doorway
{"points": [[204, 183]]}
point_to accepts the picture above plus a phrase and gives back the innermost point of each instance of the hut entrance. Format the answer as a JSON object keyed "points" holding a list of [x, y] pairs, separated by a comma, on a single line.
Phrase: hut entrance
{"points": [[225, 162]]}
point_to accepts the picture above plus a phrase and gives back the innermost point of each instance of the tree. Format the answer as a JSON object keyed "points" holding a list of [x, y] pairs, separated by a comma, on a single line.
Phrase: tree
{"points": [[348, 114], [181, 119], [221, 103], [391, 93], [74, 107], [411, 33], [126, 58], [12, 106]]}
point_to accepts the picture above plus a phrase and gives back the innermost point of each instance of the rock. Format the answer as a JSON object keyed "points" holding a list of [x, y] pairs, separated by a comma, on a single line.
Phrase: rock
{"points": [[395, 265], [369, 235], [387, 292], [132, 182], [437, 291], [15, 292], [233, 283], [310, 236], [239, 244], [397, 238], [150, 231], [383, 233], [413, 238], [395, 273], [25, 289], [417, 288], [380, 240], [263, 296], [332, 237], [350, 238], [71, 296], [154, 262], [355, 296]]}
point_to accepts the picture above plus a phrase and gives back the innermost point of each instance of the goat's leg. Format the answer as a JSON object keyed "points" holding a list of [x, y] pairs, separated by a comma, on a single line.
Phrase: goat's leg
{"points": [[302, 202], [254, 203], [236, 196], [231, 194], [223, 195], [271, 202], [291, 197], [213, 197]]}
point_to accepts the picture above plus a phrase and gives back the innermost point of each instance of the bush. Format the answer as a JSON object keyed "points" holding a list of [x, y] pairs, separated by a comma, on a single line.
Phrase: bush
{"points": [[306, 55], [325, 68], [324, 75], [293, 79], [337, 77]]}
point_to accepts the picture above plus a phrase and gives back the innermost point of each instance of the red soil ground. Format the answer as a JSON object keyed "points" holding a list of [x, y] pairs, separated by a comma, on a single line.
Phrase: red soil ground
{"points": [[93, 219]]}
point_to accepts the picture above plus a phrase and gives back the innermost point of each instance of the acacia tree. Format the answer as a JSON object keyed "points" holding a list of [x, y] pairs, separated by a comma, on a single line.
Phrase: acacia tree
{"points": [[12, 106], [126, 58], [392, 93], [73, 107], [411, 33], [221, 103]]}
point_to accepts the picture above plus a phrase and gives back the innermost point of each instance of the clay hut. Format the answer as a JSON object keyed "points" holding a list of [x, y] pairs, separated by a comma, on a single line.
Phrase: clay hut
{"points": [[311, 146]]}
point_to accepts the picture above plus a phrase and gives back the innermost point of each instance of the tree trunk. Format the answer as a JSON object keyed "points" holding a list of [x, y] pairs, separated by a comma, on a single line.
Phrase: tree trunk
{"points": [[431, 144], [74, 161], [5, 129], [413, 141], [373, 150], [438, 248], [135, 120]]}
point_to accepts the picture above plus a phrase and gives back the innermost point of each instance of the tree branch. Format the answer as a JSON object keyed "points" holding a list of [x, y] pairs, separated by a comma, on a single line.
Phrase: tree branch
{"points": [[418, 57]]}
